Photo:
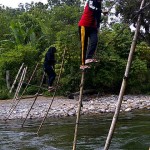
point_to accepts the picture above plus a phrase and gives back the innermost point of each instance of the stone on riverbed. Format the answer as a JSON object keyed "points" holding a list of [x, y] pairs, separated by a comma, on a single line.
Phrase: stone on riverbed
{"points": [[62, 107]]}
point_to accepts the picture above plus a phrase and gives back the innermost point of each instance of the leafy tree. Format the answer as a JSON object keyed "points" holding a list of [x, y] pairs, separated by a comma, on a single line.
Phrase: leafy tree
{"points": [[113, 54], [6, 15], [29, 30], [64, 30], [57, 3], [129, 12]]}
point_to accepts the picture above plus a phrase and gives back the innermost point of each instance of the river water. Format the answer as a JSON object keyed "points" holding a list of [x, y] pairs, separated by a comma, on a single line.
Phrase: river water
{"points": [[132, 133]]}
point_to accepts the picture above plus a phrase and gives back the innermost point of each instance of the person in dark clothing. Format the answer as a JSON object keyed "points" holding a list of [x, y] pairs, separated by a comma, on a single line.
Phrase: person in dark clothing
{"points": [[88, 30], [49, 66]]}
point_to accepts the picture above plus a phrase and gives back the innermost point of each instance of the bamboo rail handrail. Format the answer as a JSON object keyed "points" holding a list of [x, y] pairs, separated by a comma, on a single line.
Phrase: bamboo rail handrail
{"points": [[16, 78]]}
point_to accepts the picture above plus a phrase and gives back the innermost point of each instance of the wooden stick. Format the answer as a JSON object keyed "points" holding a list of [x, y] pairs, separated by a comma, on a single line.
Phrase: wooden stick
{"points": [[28, 97], [30, 79], [18, 100], [79, 109], [7, 79], [16, 78], [36, 86], [17, 92], [18, 87], [123, 86], [34, 99], [62, 64]]}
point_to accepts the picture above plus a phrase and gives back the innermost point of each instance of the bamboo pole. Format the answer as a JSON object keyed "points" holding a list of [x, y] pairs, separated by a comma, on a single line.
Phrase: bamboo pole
{"points": [[37, 94], [62, 64], [30, 79], [79, 109], [44, 88], [7, 79], [17, 92], [18, 87], [123, 86], [16, 95], [16, 78], [18, 100]]}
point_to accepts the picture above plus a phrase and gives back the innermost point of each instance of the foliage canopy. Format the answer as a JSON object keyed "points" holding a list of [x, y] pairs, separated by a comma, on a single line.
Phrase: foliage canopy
{"points": [[30, 30]]}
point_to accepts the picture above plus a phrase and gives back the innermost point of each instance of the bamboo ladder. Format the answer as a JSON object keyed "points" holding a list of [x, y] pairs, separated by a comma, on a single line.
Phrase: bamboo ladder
{"points": [[19, 98], [37, 94], [16, 78], [53, 97], [15, 98]]}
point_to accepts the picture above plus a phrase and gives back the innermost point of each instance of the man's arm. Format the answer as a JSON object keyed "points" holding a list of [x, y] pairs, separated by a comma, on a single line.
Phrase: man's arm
{"points": [[93, 4]]}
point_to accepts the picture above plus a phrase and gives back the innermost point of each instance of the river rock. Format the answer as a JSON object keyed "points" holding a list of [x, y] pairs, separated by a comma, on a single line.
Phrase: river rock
{"points": [[62, 107]]}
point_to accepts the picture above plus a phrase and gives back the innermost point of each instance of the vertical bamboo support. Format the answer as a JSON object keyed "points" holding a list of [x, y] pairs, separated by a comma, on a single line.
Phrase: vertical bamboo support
{"points": [[7, 79], [16, 78], [62, 64], [79, 110], [123, 86]]}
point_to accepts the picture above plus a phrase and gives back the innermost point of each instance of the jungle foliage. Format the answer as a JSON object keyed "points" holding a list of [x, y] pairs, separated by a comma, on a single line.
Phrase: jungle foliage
{"points": [[129, 12], [29, 30]]}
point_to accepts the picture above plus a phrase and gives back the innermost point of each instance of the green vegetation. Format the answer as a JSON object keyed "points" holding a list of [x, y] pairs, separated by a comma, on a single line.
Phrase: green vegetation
{"points": [[28, 31]]}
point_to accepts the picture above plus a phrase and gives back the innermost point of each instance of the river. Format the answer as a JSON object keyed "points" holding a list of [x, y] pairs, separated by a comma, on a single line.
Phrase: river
{"points": [[132, 133]]}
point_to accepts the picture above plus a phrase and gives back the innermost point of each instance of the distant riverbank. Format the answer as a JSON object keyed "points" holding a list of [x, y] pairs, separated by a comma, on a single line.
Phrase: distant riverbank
{"points": [[63, 107]]}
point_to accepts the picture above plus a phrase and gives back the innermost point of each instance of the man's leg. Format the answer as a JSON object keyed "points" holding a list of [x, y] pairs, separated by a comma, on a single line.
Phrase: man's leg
{"points": [[51, 75], [83, 32], [93, 39]]}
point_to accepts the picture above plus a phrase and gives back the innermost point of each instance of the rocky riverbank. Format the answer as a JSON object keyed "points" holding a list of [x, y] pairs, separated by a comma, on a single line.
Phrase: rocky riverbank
{"points": [[62, 107]]}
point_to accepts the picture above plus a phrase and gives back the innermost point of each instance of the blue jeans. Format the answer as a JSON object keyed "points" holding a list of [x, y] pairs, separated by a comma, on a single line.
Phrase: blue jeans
{"points": [[89, 39]]}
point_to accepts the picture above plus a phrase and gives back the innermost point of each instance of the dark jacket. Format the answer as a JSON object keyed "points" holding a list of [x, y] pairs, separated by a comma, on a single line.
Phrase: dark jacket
{"points": [[50, 57]]}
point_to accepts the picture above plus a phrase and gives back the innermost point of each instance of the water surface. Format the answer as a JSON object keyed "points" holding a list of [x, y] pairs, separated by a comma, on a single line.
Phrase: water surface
{"points": [[132, 133]]}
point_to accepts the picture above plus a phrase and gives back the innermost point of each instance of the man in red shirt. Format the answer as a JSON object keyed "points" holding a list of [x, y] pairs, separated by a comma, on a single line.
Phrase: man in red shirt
{"points": [[88, 30]]}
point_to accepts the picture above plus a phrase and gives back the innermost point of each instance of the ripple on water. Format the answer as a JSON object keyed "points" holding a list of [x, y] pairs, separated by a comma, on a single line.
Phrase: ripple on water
{"points": [[132, 132]]}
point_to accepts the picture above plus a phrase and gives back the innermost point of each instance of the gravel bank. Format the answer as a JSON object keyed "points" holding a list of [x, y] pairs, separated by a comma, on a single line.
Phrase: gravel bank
{"points": [[62, 107]]}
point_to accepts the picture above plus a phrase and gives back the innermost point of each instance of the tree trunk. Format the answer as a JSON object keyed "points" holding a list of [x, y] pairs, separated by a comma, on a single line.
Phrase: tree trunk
{"points": [[8, 79]]}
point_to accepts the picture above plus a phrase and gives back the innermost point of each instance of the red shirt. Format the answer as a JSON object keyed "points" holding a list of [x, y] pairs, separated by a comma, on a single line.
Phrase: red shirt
{"points": [[87, 18], [91, 14]]}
